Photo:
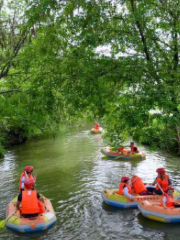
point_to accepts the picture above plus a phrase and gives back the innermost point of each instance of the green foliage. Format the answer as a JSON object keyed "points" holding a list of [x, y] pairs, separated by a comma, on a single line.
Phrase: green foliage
{"points": [[51, 72]]}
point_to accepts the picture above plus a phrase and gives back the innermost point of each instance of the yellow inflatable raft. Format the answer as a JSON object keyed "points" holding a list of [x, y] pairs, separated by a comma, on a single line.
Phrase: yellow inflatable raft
{"points": [[108, 152]]}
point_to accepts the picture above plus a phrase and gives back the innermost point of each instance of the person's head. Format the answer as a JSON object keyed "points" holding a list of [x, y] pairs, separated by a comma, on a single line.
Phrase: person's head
{"points": [[29, 184], [125, 179], [29, 169], [131, 143], [169, 190], [161, 172]]}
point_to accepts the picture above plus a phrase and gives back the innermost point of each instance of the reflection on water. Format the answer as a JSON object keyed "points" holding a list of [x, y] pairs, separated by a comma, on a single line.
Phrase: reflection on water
{"points": [[72, 172]]}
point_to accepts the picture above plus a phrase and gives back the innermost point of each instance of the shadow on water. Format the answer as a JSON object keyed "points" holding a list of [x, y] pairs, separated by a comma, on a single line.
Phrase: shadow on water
{"points": [[133, 163], [158, 226], [110, 209]]}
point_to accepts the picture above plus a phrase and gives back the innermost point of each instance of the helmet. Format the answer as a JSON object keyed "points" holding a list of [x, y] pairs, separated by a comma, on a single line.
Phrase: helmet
{"points": [[124, 179], [169, 188], [29, 169], [161, 171], [29, 183]]}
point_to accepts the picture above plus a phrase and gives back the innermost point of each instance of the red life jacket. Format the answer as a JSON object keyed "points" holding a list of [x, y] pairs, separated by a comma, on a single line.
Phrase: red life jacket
{"points": [[132, 148], [29, 202], [170, 201], [137, 185], [22, 175], [122, 186], [163, 183], [96, 126]]}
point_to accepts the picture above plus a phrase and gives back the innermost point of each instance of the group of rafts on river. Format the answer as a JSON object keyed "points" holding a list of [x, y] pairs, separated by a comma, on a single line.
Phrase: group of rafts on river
{"points": [[32, 212], [157, 201]]}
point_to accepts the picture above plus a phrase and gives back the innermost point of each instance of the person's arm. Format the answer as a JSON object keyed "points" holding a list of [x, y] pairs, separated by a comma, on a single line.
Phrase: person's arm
{"points": [[126, 193], [17, 205], [23, 179], [19, 201], [169, 181], [164, 200], [154, 183]]}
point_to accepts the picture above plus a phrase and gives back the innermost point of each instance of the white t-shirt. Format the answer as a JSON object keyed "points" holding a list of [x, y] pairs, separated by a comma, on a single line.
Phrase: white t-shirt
{"points": [[126, 193]]}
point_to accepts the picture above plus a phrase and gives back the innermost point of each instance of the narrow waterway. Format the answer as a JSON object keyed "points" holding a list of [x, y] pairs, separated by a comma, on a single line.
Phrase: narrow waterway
{"points": [[72, 172]]}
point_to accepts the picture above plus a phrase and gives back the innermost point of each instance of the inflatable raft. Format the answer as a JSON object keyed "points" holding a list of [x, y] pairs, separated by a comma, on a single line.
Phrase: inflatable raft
{"points": [[154, 211], [108, 152], [112, 198], [20, 224], [96, 131]]}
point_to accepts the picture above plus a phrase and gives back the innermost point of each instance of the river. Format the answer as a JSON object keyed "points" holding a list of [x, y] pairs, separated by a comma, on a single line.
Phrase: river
{"points": [[72, 172]]}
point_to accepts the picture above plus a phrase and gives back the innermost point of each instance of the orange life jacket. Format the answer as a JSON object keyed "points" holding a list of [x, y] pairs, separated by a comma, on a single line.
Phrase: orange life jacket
{"points": [[29, 202], [137, 185], [122, 186], [163, 183], [41, 207], [22, 175], [170, 201]]}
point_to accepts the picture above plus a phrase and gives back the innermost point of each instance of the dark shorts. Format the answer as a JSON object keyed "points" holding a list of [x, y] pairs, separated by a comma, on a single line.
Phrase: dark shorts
{"points": [[153, 190], [30, 215], [145, 193]]}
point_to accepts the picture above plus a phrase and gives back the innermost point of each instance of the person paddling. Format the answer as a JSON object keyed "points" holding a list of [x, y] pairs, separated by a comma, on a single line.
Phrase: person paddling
{"points": [[132, 146], [27, 174], [125, 188], [168, 199], [163, 181], [29, 199]]}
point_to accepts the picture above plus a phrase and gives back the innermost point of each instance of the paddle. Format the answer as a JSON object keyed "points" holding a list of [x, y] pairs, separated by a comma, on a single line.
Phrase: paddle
{"points": [[159, 187], [26, 175], [3, 222]]}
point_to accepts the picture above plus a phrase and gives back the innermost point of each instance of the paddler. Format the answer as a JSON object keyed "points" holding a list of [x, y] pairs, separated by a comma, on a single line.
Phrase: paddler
{"points": [[27, 174], [125, 188], [168, 199], [161, 180], [31, 201]]}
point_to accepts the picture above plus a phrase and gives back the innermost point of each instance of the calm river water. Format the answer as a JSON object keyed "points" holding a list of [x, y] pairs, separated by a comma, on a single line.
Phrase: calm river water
{"points": [[71, 172]]}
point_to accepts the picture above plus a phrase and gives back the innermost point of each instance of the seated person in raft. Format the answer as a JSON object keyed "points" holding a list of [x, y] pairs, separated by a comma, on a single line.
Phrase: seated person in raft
{"points": [[27, 174], [162, 181], [138, 187], [132, 146], [31, 201], [96, 126], [125, 188], [168, 200], [127, 152]]}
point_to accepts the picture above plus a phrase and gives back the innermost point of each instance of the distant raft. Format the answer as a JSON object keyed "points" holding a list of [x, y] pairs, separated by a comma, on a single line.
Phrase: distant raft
{"points": [[24, 225], [154, 211], [108, 152], [96, 131], [112, 198]]}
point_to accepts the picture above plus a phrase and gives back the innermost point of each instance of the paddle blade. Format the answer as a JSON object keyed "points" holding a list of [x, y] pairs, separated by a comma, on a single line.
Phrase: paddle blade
{"points": [[2, 223]]}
